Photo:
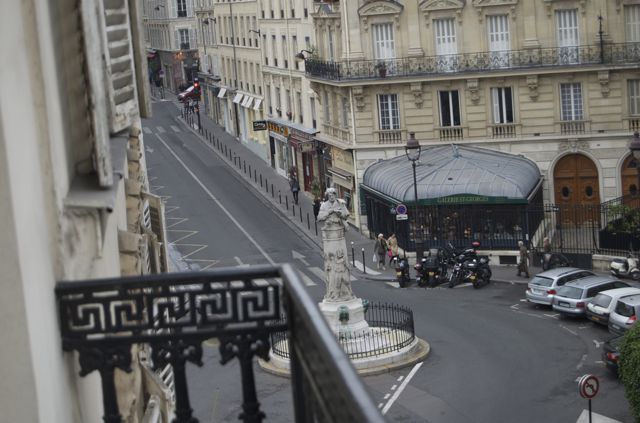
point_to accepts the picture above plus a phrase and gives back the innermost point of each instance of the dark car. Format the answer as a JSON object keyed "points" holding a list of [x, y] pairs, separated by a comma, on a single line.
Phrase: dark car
{"points": [[611, 353]]}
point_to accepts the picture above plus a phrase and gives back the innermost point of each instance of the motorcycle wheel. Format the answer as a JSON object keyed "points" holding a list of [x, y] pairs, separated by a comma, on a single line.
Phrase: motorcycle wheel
{"points": [[401, 282], [476, 284], [452, 282]]}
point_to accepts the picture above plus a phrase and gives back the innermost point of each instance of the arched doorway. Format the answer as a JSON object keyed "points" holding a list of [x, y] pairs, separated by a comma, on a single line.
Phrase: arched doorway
{"points": [[629, 176], [577, 188]]}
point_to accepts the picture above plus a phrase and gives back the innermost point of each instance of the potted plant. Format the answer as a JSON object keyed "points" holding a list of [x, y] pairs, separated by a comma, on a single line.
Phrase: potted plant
{"points": [[382, 69]]}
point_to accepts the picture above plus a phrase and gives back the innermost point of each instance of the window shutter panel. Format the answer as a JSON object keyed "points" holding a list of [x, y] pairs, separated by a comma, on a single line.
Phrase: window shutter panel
{"points": [[193, 41], [495, 95], [189, 8], [120, 65], [93, 71], [174, 9], [158, 227], [176, 39]]}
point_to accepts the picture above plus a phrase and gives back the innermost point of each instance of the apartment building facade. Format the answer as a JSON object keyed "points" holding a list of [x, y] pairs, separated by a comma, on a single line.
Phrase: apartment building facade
{"points": [[553, 80], [171, 36]]}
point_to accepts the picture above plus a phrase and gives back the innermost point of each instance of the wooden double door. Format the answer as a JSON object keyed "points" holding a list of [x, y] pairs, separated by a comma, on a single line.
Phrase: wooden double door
{"points": [[577, 188]]}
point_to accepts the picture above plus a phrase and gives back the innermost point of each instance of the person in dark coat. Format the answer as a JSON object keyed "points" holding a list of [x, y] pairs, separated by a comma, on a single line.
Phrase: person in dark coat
{"points": [[523, 266], [316, 207], [295, 189]]}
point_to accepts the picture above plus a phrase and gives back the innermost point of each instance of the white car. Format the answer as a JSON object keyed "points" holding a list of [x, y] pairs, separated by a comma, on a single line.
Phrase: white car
{"points": [[602, 305]]}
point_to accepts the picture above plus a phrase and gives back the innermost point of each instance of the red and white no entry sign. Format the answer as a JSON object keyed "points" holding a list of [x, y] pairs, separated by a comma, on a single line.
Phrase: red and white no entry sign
{"points": [[588, 386]]}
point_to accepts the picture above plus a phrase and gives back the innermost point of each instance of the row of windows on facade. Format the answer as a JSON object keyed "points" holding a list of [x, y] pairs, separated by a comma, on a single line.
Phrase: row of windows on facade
{"points": [[249, 75], [270, 8], [498, 34], [183, 39], [154, 9], [274, 100], [502, 103]]}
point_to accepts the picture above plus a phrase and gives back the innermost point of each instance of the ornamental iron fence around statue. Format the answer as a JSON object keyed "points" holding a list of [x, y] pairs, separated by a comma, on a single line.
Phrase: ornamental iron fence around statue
{"points": [[391, 326], [175, 313], [612, 54]]}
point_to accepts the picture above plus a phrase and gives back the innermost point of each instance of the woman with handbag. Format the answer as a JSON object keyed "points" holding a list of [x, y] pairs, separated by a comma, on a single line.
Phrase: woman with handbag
{"points": [[380, 249], [392, 243]]}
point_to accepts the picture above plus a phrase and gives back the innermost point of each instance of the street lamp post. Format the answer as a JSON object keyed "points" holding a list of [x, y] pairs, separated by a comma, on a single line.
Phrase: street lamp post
{"points": [[413, 149], [634, 146]]}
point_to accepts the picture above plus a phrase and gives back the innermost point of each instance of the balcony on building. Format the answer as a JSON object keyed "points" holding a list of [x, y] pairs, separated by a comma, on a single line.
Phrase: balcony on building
{"points": [[618, 54]]}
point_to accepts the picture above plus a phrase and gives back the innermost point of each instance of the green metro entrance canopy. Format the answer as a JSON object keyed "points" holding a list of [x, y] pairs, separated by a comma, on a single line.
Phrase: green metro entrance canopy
{"points": [[456, 174]]}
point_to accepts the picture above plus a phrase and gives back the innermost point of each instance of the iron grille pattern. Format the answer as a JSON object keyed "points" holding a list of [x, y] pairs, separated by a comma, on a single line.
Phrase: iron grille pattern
{"points": [[392, 331], [612, 54], [175, 313]]}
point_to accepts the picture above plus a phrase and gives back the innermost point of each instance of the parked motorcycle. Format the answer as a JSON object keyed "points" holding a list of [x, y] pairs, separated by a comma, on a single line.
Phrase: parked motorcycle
{"points": [[483, 273], [428, 271], [402, 271], [625, 267]]}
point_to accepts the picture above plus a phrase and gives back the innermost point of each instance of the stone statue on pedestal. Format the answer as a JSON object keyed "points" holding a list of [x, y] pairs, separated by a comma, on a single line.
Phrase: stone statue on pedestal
{"points": [[333, 213]]}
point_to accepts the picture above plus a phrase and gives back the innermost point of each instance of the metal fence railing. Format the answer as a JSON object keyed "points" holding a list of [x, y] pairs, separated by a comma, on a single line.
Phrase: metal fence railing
{"points": [[391, 329], [176, 313]]}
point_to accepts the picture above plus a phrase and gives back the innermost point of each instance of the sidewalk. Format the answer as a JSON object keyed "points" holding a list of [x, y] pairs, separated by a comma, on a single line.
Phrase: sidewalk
{"points": [[275, 191]]}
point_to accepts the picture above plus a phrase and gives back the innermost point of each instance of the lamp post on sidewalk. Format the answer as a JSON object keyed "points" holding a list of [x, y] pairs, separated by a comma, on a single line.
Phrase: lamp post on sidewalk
{"points": [[412, 150]]}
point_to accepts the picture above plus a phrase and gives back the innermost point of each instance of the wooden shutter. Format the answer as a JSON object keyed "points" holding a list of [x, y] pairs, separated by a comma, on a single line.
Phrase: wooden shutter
{"points": [[193, 39], [445, 36], [567, 27], [158, 227], [189, 8], [498, 27], [120, 69], [173, 11], [85, 71]]}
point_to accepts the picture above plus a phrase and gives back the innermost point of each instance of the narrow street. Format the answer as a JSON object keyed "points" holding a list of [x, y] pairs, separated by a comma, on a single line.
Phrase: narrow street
{"points": [[494, 358]]}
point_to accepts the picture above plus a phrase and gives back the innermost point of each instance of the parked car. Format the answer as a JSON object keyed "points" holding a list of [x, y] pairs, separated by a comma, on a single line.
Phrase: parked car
{"points": [[624, 314], [600, 307], [611, 353], [189, 93], [543, 286], [572, 298]]}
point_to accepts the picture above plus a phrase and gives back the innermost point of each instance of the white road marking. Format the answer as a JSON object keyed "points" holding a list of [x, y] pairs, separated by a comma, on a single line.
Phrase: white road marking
{"points": [[387, 395], [553, 316], [169, 209], [400, 378], [209, 263], [307, 280], [199, 247], [188, 234], [523, 300], [464, 285], [218, 203], [515, 306], [403, 385], [149, 150], [598, 343], [581, 363], [179, 221], [175, 128], [568, 330], [380, 405], [393, 388], [369, 271], [297, 256], [160, 129], [146, 129], [318, 272], [393, 284]]}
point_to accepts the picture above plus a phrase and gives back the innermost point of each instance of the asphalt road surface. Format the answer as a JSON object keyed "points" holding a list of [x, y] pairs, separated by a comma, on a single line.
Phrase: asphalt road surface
{"points": [[494, 358]]}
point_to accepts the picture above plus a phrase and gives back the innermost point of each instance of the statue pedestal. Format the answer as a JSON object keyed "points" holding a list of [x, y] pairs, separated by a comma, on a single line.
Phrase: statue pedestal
{"points": [[345, 317]]}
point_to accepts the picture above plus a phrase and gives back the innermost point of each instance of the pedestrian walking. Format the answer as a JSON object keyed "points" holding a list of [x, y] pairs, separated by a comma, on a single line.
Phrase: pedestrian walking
{"points": [[380, 249], [316, 207], [523, 266], [295, 189], [546, 246], [392, 243]]}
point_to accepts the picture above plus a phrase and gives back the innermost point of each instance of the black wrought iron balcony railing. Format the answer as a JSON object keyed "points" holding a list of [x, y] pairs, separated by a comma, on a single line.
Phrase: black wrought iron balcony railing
{"points": [[612, 54], [175, 313]]}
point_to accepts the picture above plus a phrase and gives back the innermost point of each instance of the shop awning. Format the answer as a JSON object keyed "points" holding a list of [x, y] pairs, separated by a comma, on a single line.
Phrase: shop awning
{"points": [[257, 103], [247, 101], [343, 174], [456, 174], [238, 98], [222, 92]]}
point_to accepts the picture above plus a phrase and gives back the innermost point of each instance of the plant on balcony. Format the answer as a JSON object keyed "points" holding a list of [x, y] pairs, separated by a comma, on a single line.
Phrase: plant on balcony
{"points": [[382, 69]]}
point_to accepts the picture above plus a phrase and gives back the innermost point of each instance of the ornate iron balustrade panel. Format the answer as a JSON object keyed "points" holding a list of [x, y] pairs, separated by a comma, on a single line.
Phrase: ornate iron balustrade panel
{"points": [[175, 313], [613, 54], [326, 388]]}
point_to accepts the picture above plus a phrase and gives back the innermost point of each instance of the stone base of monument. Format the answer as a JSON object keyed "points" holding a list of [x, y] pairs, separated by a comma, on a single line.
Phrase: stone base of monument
{"points": [[372, 349], [345, 317]]}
